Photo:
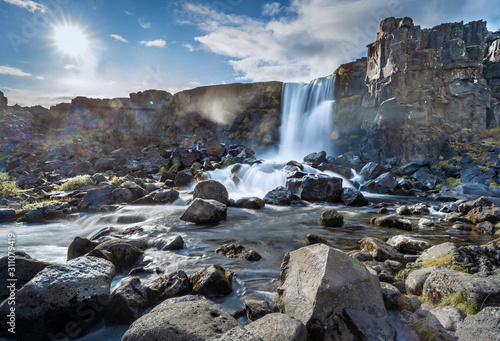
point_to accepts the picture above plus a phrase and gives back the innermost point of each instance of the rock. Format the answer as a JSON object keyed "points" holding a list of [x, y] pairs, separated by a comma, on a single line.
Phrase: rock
{"points": [[26, 268], [169, 244], [278, 196], [211, 189], [437, 251], [212, 281], [121, 252], [7, 215], [167, 196], [256, 309], [122, 195], [203, 211], [238, 251], [333, 294], [95, 198], [353, 197], [331, 218], [182, 321], [484, 259], [315, 239], [406, 244], [416, 279], [371, 170], [379, 250], [425, 223], [481, 291], [403, 210], [79, 247], [237, 333], [127, 303], [316, 158], [392, 296], [250, 203], [74, 293], [314, 187], [448, 317], [383, 184], [485, 227], [484, 213], [421, 174], [105, 164], [98, 178], [278, 327], [44, 214], [3, 100], [482, 326], [137, 190], [168, 286], [183, 178], [393, 221], [473, 191]]}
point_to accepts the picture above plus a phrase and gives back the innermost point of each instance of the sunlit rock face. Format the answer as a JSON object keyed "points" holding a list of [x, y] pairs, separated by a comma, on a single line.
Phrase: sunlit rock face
{"points": [[417, 87], [3, 100]]}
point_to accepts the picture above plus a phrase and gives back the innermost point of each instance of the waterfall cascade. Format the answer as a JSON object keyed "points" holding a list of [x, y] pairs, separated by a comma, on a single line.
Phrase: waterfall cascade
{"points": [[307, 118]]}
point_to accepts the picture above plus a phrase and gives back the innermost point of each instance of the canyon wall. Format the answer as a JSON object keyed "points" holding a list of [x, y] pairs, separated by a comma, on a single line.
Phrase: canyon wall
{"points": [[417, 88]]}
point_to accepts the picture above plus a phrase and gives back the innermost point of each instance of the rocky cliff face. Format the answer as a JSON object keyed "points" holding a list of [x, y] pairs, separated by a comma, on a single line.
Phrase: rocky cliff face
{"points": [[3, 100], [416, 88]]}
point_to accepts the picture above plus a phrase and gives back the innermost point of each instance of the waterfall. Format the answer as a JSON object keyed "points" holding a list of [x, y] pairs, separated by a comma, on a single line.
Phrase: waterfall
{"points": [[307, 118]]}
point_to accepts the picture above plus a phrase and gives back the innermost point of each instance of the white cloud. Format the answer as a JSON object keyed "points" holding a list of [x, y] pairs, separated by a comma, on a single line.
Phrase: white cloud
{"points": [[155, 43], [271, 9], [28, 4], [189, 47], [40, 78], [119, 38], [70, 67], [13, 71]]}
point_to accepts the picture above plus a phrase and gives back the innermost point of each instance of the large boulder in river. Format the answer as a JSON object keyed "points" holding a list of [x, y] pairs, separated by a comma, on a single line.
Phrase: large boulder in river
{"points": [[334, 295], [205, 211], [95, 198], [211, 189], [127, 303], [213, 281], [314, 187], [278, 196], [352, 197], [122, 253], [331, 218], [254, 203], [384, 184], [393, 221], [61, 301], [181, 321]]}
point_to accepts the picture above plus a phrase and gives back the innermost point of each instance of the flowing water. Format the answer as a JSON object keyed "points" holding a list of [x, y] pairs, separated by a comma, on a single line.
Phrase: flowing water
{"points": [[272, 231]]}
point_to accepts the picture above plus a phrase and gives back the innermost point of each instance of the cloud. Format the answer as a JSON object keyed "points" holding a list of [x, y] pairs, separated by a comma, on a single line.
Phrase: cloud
{"points": [[311, 38], [271, 9], [189, 47], [13, 71], [129, 13], [40, 78], [154, 43], [71, 67], [119, 38], [27, 4]]}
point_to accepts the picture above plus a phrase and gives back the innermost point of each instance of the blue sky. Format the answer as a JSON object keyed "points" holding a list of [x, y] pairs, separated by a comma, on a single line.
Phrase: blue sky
{"points": [[127, 46]]}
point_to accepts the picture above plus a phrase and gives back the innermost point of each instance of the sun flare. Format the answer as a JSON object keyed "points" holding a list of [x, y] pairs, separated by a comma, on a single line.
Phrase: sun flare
{"points": [[70, 40]]}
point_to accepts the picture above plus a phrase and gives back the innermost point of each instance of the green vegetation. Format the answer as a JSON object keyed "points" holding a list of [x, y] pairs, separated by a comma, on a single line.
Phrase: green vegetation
{"points": [[345, 100], [425, 333], [8, 188], [79, 181], [344, 74], [118, 180], [445, 261], [472, 46], [494, 185], [26, 207], [460, 302], [453, 182]]}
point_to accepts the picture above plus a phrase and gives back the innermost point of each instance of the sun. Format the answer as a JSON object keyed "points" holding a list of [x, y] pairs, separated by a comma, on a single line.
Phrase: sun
{"points": [[70, 40]]}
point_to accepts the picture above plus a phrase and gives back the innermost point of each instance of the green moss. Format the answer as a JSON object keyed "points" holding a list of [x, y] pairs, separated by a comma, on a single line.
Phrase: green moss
{"points": [[445, 261], [345, 100], [460, 302], [118, 180], [494, 185], [79, 181], [8, 188], [453, 182], [425, 333], [472, 46]]}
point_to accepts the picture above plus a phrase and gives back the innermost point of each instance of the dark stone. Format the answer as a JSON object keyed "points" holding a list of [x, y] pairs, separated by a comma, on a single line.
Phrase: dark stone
{"points": [[421, 174], [79, 247], [122, 253], [122, 195], [315, 187], [315, 239], [353, 197], [384, 184], [278, 196], [251, 203], [169, 244], [128, 302], [7, 215], [316, 158], [205, 211], [211, 189], [167, 286], [166, 196], [213, 281], [95, 198], [183, 178], [331, 218], [371, 170], [394, 222], [473, 175], [238, 251], [256, 309]]}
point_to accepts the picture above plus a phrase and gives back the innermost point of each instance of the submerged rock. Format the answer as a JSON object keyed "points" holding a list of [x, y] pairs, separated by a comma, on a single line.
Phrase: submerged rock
{"points": [[333, 294], [331, 218], [393, 221], [238, 251], [251, 203], [204, 211], [256, 309]]}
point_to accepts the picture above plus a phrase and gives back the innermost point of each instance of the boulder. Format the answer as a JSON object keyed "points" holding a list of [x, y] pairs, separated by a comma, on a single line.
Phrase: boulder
{"points": [[314, 187], [256, 309], [484, 259], [238, 251], [205, 211], [168, 243], [26, 268], [183, 178], [371, 170], [485, 227], [122, 253], [237, 333], [481, 291], [122, 195], [447, 317], [482, 326], [393, 299], [331, 218], [7, 215], [484, 213], [278, 327], [278, 196], [61, 301], [213, 281], [181, 321], [383, 184], [436, 251], [250, 203], [415, 281], [167, 196], [353, 197], [379, 249], [393, 221], [137, 190], [128, 302], [315, 239], [95, 198], [211, 189], [79, 247], [316, 158], [334, 295], [407, 244], [472, 190], [168, 286], [403, 210]]}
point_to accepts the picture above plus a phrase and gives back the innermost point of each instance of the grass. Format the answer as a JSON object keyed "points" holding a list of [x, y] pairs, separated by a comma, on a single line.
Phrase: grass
{"points": [[79, 181], [425, 333], [8, 189], [118, 180], [460, 302], [445, 261], [26, 207], [453, 182]]}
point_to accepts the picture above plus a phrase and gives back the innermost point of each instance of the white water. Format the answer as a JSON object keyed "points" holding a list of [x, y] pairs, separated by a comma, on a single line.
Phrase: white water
{"points": [[307, 118]]}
